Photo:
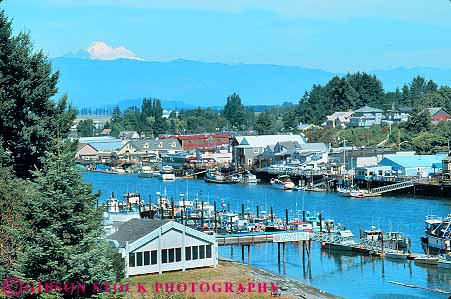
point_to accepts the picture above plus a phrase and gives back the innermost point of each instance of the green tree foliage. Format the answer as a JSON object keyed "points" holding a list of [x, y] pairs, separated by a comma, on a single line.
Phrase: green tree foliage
{"points": [[63, 233], [86, 128], [265, 123], [234, 112], [28, 115], [419, 122]]}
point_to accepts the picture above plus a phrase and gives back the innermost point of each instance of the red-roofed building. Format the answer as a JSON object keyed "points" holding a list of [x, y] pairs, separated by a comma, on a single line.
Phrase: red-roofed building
{"points": [[201, 141]]}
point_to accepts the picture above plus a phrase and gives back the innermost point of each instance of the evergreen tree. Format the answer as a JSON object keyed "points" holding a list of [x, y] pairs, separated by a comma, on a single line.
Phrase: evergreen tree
{"points": [[264, 123], [29, 118], [86, 128], [234, 111], [63, 233]]}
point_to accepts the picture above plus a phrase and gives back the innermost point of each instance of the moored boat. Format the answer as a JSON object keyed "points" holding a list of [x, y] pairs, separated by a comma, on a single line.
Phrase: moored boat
{"points": [[147, 172], [249, 178], [282, 182], [167, 173], [399, 255], [437, 237], [426, 260]]}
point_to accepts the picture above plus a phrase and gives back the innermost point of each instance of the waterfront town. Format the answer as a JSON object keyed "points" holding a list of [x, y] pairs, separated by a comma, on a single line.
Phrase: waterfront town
{"points": [[310, 160]]}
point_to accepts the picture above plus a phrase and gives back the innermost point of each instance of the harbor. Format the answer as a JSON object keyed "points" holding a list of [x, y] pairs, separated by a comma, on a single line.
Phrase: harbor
{"points": [[322, 268]]}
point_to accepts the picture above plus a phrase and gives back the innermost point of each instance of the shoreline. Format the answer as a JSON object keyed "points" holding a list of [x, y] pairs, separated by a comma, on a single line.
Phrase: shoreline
{"points": [[287, 286]]}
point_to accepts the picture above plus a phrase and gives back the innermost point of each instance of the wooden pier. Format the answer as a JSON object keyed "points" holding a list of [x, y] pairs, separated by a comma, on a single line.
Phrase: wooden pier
{"points": [[262, 237]]}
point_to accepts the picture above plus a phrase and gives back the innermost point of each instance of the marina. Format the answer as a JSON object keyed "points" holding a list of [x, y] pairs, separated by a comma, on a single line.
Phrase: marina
{"points": [[326, 267]]}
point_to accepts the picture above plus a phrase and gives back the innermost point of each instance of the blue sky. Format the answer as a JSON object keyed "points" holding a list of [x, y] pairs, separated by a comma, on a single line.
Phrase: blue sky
{"points": [[346, 35]]}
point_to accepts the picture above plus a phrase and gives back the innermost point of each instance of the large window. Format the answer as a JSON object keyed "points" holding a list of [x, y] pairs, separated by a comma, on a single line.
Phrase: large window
{"points": [[188, 253], [202, 251], [164, 256], [139, 259], [208, 251], [171, 255], [153, 257], [146, 258], [131, 260], [195, 252], [178, 254]]}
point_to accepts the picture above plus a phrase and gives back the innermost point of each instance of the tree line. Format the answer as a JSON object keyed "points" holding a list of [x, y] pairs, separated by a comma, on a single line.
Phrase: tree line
{"points": [[50, 229]]}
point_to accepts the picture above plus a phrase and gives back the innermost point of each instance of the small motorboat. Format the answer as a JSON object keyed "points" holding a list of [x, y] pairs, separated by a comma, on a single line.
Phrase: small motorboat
{"points": [[427, 260], [344, 192], [249, 178], [283, 182], [399, 255]]}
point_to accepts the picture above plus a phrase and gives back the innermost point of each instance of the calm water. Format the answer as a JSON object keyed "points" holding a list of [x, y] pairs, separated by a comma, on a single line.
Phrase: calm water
{"points": [[344, 275]]}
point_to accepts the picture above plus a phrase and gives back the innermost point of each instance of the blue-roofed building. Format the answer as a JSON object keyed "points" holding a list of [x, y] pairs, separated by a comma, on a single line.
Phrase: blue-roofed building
{"points": [[414, 165], [103, 143]]}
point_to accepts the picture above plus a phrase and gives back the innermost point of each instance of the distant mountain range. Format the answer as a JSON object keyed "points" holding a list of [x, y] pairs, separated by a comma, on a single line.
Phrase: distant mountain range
{"points": [[187, 84]]}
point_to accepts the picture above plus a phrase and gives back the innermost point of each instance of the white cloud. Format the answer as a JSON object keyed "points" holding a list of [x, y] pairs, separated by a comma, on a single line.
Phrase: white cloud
{"points": [[102, 51]]}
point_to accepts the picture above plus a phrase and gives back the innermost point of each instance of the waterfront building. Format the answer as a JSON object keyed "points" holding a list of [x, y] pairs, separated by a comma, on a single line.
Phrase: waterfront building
{"points": [[86, 152], [294, 152], [141, 149], [339, 119], [246, 149], [414, 165], [366, 117], [438, 114], [355, 157], [200, 141], [446, 171], [379, 173], [156, 246]]}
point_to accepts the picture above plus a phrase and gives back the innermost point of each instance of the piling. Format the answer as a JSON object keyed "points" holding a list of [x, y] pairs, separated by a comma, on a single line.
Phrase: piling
{"points": [[172, 208], [242, 254], [202, 215], [303, 215], [216, 217], [258, 212], [272, 215], [242, 210], [320, 222], [248, 254], [286, 220]]}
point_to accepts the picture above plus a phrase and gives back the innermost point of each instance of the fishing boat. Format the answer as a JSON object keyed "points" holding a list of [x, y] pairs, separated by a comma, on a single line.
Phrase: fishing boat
{"points": [[426, 259], [282, 182], [340, 241], [437, 235], [167, 173], [249, 178]]}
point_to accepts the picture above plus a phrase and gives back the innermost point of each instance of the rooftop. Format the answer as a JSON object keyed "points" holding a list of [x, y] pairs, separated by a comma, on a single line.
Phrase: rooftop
{"points": [[415, 160], [265, 140], [102, 143], [135, 229], [368, 109]]}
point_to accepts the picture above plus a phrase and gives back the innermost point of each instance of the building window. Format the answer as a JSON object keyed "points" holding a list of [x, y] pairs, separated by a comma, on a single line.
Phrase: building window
{"points": [[171, 255], [164, 256], [202, 252], [188, 253], [195, 252], [131, 260], [146, 258], [208, 251], [178, 254], [139, 259], [153, 257]]}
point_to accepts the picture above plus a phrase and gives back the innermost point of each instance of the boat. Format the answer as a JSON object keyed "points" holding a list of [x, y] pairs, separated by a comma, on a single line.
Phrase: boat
{"points": [[249, 178], [340, 241], [167, 173], [399, 255], [282, 182], [444, 261], [147, 172], [426, 259], [437, 237], [344, 192], [216, 177]]}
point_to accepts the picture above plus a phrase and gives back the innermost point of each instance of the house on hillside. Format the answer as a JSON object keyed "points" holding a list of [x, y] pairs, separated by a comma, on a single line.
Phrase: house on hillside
{"points": [[400, 114], [438, 114], [366, 117], [156, 246], [338, 119], [247, 148]]}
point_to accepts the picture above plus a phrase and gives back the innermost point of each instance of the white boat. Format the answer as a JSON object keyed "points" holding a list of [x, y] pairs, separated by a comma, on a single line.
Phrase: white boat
{"points": [[167, 173], [147, 172], [283, 182], [427, 260], [344, 192], [399, 255], [249, 178], [118, 170]]}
